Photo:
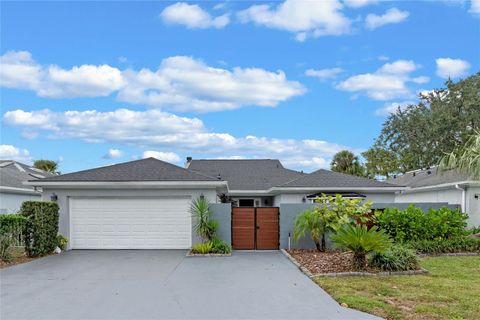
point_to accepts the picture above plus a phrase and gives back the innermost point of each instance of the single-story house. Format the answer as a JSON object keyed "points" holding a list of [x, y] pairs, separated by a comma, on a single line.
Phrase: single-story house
{"points": [[144, 204], [434, 186], [12, 190]]}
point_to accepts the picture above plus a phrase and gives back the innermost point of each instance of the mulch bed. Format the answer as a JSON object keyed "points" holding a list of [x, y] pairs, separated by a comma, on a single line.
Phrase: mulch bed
{"points": [[15, 261], [325, 262]]}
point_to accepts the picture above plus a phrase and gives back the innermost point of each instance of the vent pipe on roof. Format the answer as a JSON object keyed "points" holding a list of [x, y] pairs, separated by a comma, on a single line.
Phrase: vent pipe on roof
{"points": [[187, 164]]}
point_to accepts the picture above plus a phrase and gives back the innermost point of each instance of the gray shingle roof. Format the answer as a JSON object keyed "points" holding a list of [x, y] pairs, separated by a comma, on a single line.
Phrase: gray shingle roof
{"points": [[329, 179], [428, 177], [13, 174], [251, 174], [149, 169]]}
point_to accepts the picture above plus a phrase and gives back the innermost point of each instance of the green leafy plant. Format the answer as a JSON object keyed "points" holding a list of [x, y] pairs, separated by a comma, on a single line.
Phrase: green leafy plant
{"points": [[203, 248], [205, 227], [413, 224], [466, 158], [5, 246], [396, 258], [329, 215], [361, 241], [13, 226], [459, 244], [220, 246], [62, 242], [41, 227]]}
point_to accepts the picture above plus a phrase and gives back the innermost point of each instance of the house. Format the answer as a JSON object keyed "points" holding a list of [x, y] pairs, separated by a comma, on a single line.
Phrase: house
{"points": [[144, 204], [12, 190], [434, 186]]}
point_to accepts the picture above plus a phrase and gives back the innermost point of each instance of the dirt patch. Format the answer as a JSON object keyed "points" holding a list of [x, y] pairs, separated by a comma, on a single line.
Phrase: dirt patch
{"points": [[19, 260], [325, 262]]}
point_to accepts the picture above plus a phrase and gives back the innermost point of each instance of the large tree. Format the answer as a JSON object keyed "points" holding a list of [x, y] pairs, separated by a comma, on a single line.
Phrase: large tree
{"points": [[46, 165], [421, 134], [466, 159], [346, 162]]}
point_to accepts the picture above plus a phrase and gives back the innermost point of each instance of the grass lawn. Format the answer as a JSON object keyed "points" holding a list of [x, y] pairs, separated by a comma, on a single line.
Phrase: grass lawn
{"points": [[450, 291]]}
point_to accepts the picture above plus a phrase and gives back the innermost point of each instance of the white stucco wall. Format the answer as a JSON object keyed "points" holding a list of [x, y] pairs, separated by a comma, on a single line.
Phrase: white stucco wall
{"points": [[473, 206], [298, 197], [452, 196], [11, 202], [64, 194]]}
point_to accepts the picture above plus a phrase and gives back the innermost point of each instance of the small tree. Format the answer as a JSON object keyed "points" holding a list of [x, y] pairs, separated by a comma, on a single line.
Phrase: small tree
{"points": [[361, 241], [205, 227], [46, 165], [329, 215]]}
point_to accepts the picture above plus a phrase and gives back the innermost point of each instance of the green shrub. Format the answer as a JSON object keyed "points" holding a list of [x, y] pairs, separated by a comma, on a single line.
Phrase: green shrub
{"points": [[12, 226], [413, 224], [220, 246], [5, 246], [41, 227], [203, 248], [397, 258], [361, 241], [62, 242], [204, 227], [474, 230], [459, 244]]}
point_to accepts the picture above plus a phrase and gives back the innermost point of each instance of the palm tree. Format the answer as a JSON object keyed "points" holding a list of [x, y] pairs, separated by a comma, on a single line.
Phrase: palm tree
{"points": [[46, 165], [310, 221], [361, 241], [346, 162], [205, 227], [465, 159]]}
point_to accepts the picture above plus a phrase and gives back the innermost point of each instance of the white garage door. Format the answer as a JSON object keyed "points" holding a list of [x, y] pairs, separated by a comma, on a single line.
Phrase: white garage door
{"points": [[130, 223]]}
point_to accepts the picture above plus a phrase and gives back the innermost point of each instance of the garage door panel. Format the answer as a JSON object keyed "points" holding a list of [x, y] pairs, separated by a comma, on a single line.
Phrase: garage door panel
{"points": [[130, 223]]}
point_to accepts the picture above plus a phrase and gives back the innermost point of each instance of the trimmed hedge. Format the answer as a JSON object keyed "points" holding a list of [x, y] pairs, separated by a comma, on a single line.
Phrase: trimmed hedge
{"points": [[41, 228], [12, 225], [413, 224], [397, 258], [460, 244]]}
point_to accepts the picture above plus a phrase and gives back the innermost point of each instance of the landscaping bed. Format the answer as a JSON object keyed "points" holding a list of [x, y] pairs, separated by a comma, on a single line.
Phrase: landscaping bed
{"points": [[336, 263], [18, 257]]}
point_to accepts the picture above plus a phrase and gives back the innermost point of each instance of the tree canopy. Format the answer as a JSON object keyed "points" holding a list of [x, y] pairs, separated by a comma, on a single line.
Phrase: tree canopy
{"points": [[46, 165], [419, 135], [346, 162]]}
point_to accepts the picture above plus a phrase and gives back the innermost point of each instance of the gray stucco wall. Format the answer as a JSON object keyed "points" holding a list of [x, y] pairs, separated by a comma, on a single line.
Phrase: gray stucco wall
{"points": [[222, 212], [288, 212]]}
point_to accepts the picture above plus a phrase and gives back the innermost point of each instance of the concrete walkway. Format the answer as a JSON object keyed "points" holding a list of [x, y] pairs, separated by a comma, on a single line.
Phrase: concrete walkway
{"points": [[164, 284]]}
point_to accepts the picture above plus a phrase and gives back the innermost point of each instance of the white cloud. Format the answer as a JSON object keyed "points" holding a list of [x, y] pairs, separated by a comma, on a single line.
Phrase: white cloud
{"points": [[153, 129], [180, 83], [392, 107], [192, 16], [388, 82], [392, 15], [164, 156], [358, 3], [19, 70], [9, 152], [474, 7], [113, 154], [304, 18], [324, 74], [451, 68]]}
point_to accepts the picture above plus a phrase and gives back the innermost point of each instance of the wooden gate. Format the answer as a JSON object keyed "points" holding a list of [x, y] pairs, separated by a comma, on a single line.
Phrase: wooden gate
{"points": [[255, 228]]}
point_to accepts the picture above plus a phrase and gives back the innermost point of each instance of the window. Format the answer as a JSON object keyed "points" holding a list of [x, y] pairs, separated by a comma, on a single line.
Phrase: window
{"points": [[246, 203]]}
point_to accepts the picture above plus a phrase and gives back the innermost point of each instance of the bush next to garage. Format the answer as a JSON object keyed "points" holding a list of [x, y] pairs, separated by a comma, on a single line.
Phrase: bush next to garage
{"points": [[459, 244], [41, 227], [413, 224], [12, 230]]}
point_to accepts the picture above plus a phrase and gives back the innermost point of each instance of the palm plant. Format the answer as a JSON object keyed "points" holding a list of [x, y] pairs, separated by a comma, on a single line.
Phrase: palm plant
{"points": [[466, 159], [312, 222], [204, 226], [361, 241]]}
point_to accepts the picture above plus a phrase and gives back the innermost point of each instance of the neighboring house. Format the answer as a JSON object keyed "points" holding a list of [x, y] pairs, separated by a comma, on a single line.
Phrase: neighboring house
{"points": [[434, 186], [12, 190], [144, 204]]}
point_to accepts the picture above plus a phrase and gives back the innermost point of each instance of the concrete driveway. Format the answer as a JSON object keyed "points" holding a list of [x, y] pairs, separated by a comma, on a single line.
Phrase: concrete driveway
{"points": [[161, 284]]}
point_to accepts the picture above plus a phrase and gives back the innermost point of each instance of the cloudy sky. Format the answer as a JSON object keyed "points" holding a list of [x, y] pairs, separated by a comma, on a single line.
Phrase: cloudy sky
{"points": [[98, 83]]}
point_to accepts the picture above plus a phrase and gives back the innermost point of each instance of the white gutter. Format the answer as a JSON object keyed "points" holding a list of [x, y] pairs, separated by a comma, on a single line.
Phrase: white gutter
{"points": [[464, 196], [18, 190], [126, 184], [442, 186]]}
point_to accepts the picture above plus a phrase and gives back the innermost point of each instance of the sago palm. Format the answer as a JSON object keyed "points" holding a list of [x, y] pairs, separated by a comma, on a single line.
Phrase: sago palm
{"points": [[361, 241]]}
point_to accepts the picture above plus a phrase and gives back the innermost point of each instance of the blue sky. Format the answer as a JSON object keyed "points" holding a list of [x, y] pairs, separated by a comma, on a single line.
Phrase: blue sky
{"points": [[95, 83]]}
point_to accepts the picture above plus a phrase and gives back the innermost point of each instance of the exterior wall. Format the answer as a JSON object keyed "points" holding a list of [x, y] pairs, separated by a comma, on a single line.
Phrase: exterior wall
{"points": [[222, 212], [473, 206], [298, 197], [11, 202], [288, 212], [64, 195], [452, 196]]}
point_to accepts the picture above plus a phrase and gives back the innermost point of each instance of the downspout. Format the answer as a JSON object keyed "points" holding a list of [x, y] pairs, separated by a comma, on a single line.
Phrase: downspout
{"points": [[464, 198]]}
